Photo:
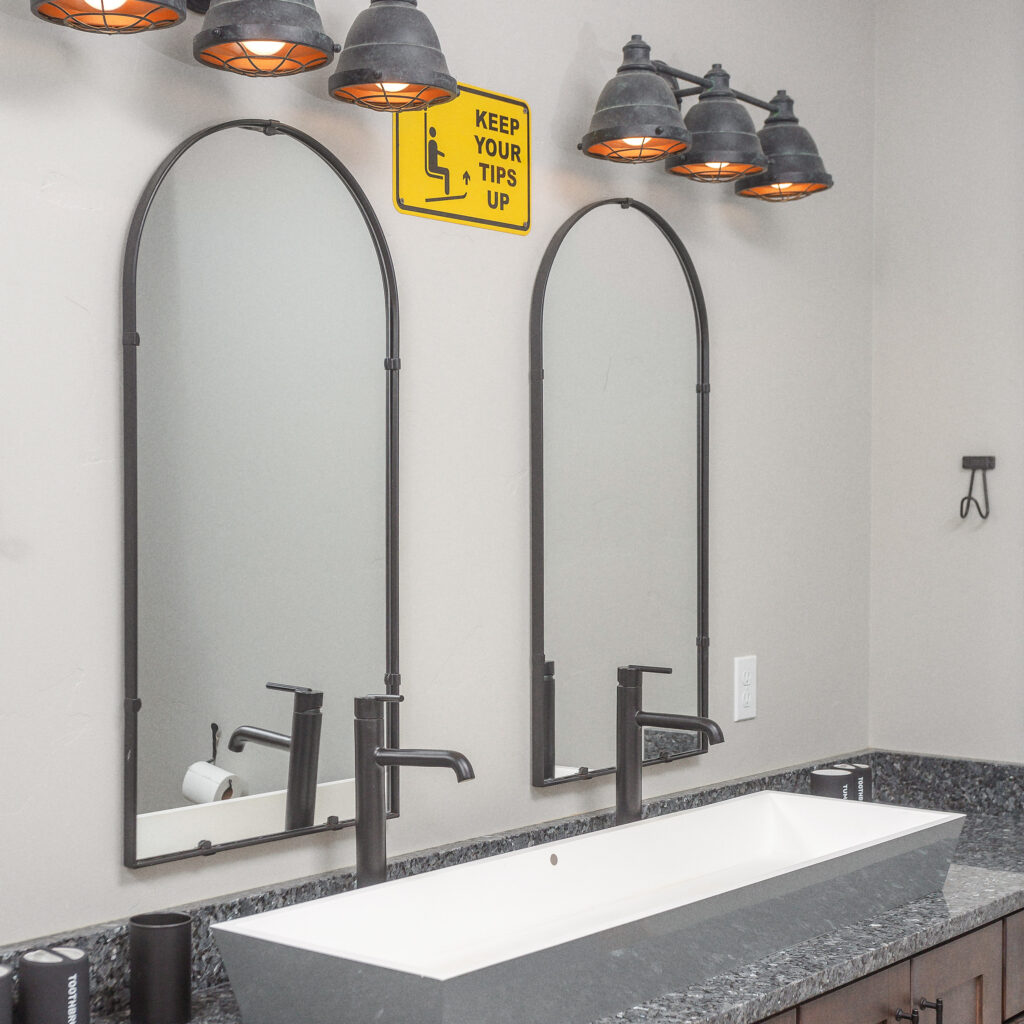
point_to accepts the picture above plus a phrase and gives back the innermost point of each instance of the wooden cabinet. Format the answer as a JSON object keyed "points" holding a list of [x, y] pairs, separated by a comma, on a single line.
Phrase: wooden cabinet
{"points": [[966, 974], [789, 1017], [1013, 965], [872, 1000]]}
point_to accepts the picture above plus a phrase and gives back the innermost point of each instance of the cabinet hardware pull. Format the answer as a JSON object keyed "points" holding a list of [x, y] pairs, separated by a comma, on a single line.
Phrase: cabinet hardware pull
{"points": [[914, 1016], [927, 1004]]}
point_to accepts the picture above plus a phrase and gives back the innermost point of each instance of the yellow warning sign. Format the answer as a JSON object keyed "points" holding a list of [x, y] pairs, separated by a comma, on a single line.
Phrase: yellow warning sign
{"points": [[467, 160]]}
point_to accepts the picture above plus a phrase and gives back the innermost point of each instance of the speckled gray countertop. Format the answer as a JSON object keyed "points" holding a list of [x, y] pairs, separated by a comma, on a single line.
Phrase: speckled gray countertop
{"points": [[985, 882]]}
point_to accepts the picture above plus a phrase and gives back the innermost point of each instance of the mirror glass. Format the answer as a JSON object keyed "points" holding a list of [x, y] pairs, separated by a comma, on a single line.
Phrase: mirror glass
{"points": [[261, 481], [618, 580]]}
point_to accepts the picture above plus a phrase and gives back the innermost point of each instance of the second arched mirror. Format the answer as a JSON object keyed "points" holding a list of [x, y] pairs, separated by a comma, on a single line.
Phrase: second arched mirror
{"points": [[619, 498]]}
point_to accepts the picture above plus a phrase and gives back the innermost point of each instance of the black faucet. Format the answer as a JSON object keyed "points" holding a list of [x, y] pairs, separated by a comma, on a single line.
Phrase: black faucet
{"points": [[372, 758], [303, 748], [629, 738]]}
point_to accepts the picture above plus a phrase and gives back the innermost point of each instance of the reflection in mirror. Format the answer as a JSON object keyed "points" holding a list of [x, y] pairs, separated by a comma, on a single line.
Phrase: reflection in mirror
{"points": [[619, 429], [263, 450]]}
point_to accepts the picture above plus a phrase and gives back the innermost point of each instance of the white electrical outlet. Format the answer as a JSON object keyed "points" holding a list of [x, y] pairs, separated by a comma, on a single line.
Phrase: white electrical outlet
{"points": [[745, 687]]}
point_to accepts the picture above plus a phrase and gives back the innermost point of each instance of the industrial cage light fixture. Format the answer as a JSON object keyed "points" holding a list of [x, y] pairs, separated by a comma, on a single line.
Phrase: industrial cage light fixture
{"points": [[263, 38], [638, 120], [391, 61]]}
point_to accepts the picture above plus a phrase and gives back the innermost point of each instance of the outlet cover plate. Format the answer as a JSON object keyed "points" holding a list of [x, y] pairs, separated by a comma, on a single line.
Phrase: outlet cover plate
{"points": [[745, 687]]}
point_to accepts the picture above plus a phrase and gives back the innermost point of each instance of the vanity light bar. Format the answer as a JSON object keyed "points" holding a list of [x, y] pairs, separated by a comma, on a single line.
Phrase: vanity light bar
{"points": [[392, 59], [638, 120]]}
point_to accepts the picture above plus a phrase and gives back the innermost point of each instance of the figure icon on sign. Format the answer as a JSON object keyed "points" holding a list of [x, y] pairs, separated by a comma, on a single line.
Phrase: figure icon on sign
{"points": [[434, 168], [432, 154]]}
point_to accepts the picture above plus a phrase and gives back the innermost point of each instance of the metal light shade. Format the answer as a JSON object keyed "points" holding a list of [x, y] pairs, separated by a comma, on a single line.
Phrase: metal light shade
{"points": [[112, 17], [637, 119], [263, 38], [392, 61], [795, 170], [724, 144]]}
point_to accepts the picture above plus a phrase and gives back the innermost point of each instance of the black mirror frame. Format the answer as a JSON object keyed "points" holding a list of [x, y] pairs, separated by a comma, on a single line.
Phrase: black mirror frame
{"points": [[130, 344], [542, 696]]}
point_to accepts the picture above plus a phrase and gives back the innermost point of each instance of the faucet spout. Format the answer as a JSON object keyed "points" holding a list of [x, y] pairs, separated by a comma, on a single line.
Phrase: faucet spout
{"points": [[684, 723], [459, 763], [262, 737]]}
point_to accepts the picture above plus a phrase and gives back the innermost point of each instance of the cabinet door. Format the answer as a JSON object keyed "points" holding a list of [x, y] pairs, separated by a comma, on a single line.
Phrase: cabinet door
{"points": [[789, 1017], [872, 1000], [966, 974], [1013, 966]]}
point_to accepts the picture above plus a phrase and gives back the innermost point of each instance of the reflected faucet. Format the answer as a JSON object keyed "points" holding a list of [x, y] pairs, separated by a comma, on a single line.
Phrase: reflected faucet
{"points": [[629, 738], [372, 760], [303, 748]]}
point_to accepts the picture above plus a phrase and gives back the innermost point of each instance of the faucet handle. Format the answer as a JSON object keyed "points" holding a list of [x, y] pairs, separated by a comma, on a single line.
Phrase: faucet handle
{"points": [[306, 699], [372, 706], [633, 675]]}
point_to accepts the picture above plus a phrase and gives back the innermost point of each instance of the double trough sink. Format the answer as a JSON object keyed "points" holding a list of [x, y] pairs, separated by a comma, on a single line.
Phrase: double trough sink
{"points": [[574, 930]]}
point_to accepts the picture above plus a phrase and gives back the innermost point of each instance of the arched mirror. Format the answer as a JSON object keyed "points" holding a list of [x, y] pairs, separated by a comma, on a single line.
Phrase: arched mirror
{"points": [[260, 418], [619, 457]]}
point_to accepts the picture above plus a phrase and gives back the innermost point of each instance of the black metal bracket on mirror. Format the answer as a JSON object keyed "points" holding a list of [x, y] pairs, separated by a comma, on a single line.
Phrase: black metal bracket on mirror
{"points": [[130, 345], [542, 668]]}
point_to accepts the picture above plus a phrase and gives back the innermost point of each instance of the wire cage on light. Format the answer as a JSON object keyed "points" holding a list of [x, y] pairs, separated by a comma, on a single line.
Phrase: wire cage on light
{"points": [[111, 17]]}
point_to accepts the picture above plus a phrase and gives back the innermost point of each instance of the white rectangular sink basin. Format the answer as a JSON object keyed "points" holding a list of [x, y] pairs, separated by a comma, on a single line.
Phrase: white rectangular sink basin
{"points": [[574, 930]]}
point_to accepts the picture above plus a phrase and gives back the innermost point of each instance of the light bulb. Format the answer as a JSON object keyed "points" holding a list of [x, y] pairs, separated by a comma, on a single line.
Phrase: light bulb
{"points": [[261, 47], [715, 166], [394, 86], [105, 5], [784, 184], [634, 142]]}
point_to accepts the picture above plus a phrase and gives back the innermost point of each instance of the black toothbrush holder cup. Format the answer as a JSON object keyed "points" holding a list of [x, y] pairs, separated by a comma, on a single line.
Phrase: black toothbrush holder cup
{"points": [[53, 986], [6, 994], [160, 955]]}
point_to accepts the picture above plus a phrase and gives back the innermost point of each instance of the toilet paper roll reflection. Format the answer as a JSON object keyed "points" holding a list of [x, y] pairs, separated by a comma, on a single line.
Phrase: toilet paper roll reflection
{"points": [[205, 783]]}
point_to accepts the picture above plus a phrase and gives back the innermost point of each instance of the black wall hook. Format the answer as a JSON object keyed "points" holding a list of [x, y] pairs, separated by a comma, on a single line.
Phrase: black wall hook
{"points": [[974, 463]]}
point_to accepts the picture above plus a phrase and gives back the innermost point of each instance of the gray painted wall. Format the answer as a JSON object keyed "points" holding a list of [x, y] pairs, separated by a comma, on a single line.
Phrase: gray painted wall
{"points": [[947, 643], [789, 289]]}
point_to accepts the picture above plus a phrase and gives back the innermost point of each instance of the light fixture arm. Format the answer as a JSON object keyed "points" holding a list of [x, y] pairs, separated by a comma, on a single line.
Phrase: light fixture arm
{"points": [[665, 69], [705, 83]]}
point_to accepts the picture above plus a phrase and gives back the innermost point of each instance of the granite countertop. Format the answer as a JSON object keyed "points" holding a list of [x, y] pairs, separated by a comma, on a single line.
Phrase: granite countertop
{"points": [[985, 882]]}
